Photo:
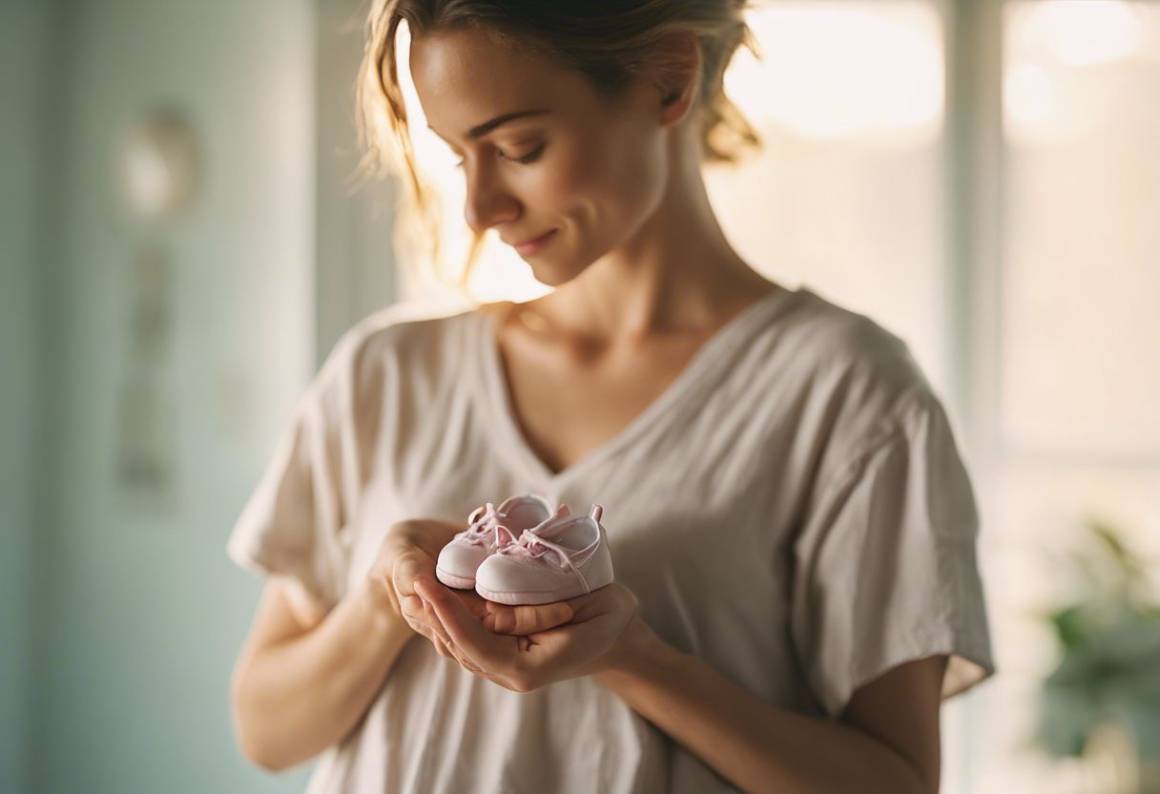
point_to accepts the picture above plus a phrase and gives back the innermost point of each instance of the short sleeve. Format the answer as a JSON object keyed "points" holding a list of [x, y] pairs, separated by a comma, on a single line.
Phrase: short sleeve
{"points": [[295, 522], [885, 567]]}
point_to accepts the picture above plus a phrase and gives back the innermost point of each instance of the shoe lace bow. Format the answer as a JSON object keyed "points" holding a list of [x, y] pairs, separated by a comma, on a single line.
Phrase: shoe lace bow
{"points": [[531, 545], [483, 524]]}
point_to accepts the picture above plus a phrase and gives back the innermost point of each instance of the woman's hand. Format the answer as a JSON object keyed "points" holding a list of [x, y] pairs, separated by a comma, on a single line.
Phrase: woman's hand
{"points": [[408, 552], [604, 628], [410, 548]]}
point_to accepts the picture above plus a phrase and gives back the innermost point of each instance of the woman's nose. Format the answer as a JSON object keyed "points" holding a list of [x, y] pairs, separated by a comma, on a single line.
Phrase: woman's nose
{"points": [[488, 202]]}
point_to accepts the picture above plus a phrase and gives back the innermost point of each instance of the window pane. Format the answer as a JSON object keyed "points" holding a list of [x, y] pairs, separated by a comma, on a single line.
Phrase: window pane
{"points": [[1080, 361], [1081, 314], [846, 196]]}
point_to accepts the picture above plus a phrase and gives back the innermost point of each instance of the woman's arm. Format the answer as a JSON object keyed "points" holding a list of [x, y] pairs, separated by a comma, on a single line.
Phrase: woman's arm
{"points": [[888, 740], [304, 679]]}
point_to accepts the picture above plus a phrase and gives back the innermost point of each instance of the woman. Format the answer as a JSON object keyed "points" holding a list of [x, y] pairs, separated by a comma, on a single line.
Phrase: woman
{"points": [[792, 527]]}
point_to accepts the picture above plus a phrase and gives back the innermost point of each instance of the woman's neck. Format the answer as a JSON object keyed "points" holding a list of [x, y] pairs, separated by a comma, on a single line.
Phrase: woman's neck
{"points": [[677, 274]]}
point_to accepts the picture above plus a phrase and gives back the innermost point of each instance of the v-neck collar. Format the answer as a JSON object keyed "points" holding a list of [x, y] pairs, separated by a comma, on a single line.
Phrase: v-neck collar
{"points": [[708, 359]]}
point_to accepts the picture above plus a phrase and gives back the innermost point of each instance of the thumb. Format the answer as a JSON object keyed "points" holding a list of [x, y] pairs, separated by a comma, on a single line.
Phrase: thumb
{"points": [[410, 565], [527, 619]]}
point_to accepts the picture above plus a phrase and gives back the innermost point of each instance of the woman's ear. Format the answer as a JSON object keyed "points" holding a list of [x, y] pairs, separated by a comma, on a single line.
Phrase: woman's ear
{"points": [[678, 76]]}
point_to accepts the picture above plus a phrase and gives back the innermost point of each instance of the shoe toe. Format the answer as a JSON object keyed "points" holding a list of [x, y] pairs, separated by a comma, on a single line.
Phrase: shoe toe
{"points": [[461, 559], [507, 575]]}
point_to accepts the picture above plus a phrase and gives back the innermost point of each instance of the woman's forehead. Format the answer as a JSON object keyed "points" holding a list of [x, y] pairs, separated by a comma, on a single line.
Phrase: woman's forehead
{"points": [[476, 61], [465, 81]]}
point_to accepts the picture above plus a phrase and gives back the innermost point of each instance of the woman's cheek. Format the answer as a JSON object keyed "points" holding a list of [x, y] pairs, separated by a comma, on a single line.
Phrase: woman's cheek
{"points": [[601, 181], [575, 175]]}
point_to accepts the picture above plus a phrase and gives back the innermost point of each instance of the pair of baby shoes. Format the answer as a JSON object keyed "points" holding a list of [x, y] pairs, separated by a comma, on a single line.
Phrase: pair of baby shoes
{"points": [[523, 552]]}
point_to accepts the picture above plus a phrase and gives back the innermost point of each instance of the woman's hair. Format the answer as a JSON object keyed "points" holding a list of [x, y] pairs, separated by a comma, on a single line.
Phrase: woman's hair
{"points": [[608, 41]]}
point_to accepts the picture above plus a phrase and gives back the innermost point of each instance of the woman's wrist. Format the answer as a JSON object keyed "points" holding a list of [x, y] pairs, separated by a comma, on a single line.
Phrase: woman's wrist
{"points": [[379, 582], [382, 612], [638, 649]]}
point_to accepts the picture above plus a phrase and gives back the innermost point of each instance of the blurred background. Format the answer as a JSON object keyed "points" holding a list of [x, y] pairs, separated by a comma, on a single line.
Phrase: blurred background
{"points": [[180, 247]]}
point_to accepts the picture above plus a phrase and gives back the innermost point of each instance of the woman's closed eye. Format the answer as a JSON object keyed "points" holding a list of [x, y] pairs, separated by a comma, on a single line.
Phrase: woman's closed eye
{"points": [[526, 159]]}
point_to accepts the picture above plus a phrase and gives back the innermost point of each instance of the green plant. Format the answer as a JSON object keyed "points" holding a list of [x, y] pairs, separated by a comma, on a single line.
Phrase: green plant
{"points": [[1109, 670]]}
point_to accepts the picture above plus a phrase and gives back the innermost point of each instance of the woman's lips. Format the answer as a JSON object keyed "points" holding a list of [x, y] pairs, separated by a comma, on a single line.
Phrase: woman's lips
{"points": [[532, 246]]}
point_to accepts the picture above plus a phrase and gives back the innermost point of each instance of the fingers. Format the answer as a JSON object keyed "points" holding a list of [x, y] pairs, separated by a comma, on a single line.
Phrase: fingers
{"points": [[448, 651], [411, 608], [474, 603], [440, 647], [526, 647], [464, 662], [442, 641], [470, 638], [437, 629], [447, 620], [524, 620], [423, 620], [613, 597], [408, 566]]}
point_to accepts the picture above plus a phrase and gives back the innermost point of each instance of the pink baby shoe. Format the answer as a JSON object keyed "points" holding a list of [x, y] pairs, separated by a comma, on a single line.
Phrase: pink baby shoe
{"points": [[488, 529], [565, 557]]}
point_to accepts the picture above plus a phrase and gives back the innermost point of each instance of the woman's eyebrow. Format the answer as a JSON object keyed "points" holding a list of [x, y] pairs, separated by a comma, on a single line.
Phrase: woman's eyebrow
{"points": [[483, 129]]}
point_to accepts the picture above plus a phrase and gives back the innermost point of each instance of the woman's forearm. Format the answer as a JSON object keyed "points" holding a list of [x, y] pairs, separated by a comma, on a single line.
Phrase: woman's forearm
{"points": [[299, 696], [756, 746]]}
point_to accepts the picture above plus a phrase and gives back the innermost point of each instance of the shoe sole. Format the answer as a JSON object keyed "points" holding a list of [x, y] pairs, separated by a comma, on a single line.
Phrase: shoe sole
{"points": [[457, 582], [516, 599]]}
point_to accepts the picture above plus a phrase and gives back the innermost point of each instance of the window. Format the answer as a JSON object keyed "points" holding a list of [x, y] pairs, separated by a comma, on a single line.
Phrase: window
{"points": [[1078, 372], [847, 194]]}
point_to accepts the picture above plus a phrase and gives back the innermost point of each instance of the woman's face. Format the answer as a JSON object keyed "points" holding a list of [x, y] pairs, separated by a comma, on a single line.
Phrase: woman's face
{"points": [[579, 168]]}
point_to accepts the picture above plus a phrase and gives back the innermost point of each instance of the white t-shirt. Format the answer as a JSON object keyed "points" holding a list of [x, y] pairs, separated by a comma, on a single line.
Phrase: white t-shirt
{"points": [[792, 510]]}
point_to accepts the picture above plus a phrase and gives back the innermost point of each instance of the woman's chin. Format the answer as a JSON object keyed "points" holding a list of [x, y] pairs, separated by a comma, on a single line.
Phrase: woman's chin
{"points": [[554, 274]]}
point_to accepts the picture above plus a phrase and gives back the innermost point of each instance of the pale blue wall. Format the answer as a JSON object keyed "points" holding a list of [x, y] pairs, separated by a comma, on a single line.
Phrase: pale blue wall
{"points": [[135, 614], [22, 37]]}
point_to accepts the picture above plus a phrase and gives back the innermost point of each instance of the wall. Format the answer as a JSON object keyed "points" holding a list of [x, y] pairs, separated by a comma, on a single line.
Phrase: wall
{"points": [[137, 614], [23, 36]]}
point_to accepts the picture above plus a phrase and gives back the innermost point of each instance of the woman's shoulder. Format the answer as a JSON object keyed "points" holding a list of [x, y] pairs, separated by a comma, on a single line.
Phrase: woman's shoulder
{"points": [[862, 377], [413, 338], [849, 350]]}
